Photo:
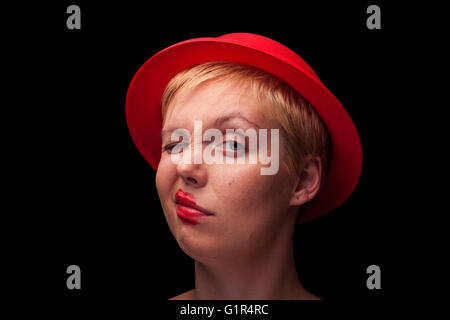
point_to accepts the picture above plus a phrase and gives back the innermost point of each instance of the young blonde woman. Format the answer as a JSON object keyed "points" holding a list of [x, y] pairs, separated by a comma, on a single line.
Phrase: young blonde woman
{"points": [[235, 221]]}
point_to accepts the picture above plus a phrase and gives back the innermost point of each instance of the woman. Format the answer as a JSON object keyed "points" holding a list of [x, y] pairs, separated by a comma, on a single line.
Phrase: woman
{"points": [[234, 221]]}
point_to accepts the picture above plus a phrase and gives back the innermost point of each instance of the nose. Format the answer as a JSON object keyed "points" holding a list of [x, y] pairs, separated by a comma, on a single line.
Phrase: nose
{"points": [[193, 174]]}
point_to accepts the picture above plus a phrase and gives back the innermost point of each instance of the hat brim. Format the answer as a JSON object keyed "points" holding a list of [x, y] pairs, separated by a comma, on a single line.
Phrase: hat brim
{"points": [[143, 108]]}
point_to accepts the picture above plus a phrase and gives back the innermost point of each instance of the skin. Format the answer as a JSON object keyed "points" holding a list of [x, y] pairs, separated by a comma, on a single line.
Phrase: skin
{"points": [[245, 249]]}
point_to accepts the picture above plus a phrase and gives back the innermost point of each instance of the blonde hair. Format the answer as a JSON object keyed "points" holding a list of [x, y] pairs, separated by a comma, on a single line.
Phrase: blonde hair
{"points": [[301, 126]]}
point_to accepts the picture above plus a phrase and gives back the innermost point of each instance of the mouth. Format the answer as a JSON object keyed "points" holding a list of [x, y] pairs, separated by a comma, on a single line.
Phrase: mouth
{"points": [[187, 209]]}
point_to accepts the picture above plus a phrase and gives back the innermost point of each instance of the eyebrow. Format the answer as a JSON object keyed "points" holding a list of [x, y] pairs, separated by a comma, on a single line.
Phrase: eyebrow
{"points": [[220, 120]]}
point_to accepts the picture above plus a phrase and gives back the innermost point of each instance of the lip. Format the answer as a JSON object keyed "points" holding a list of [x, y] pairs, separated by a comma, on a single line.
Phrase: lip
{"points": [[187, 208]]}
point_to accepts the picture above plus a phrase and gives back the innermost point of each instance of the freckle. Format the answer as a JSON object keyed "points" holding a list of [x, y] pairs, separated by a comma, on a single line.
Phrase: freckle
{"points": [[231, 182]]}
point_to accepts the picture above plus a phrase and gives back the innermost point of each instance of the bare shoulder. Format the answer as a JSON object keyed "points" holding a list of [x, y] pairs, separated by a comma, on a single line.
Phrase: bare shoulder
{"points": [[188, 295], [314, 297], [310, 296], [306, 295]]}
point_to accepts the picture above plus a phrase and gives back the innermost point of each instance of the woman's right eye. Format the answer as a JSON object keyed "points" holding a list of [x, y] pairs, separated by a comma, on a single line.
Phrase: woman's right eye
{"points": [[170, 146]]}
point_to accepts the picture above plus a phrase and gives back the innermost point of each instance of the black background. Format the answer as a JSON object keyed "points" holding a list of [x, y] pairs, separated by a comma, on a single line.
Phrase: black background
{"points": [[90, 197]]}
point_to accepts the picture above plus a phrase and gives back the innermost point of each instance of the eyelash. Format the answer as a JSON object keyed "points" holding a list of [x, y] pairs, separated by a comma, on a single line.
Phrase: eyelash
{"points": [[169, 146], [237, 143]]}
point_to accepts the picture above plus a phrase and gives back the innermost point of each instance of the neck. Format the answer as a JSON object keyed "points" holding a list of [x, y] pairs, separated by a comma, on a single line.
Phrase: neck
{"points": [[269, 275]]}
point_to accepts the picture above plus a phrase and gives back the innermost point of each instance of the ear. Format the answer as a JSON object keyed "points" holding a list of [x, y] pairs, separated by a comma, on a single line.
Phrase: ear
{"points": [[307, 184]]}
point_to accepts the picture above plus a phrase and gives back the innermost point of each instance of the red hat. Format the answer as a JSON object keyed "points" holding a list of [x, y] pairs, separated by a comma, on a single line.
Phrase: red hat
{"points": [[143, 103]]}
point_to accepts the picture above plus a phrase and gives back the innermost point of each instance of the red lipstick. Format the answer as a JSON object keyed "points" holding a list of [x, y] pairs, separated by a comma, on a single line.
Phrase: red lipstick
{"points": [[187, 209]]}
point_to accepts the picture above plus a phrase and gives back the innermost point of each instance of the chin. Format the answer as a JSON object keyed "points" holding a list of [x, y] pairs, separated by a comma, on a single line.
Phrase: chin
{"points": [[199, 248]]}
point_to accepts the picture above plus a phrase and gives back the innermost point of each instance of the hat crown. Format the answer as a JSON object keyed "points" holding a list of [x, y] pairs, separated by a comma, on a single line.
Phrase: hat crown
{"points": [[273, 48]]}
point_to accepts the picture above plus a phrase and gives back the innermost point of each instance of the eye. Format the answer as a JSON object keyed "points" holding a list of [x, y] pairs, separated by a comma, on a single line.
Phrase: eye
{"points": [[170, 146], [233, 145]]}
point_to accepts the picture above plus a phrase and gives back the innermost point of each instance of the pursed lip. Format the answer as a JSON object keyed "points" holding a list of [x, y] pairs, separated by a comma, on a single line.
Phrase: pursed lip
{"points": [[187, 207], [185, 203]]}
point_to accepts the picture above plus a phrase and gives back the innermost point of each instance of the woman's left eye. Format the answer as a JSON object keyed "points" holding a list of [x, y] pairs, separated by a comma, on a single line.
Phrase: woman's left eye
{"points": [[233, 145]]}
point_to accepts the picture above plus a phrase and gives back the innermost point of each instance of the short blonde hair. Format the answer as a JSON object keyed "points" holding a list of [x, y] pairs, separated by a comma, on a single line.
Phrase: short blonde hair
{"points": [[301, 126]]}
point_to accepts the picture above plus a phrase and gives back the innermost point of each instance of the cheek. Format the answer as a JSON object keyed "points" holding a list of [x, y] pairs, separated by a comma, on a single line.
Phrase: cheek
{"points": [[165, 177], [159, 180], [245, 190], [250, 205], [164, 180]]}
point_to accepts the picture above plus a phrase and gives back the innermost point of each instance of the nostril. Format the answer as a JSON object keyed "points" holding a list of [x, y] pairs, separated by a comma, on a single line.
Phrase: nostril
{"points": [[191, 180]]}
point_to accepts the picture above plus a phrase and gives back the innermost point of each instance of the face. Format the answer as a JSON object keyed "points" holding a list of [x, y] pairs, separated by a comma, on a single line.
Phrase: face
{"points": [[246, 210]]}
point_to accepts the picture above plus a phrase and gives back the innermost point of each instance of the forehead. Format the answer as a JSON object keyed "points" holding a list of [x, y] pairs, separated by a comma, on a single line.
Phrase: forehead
{"points": [[211, 100]]}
